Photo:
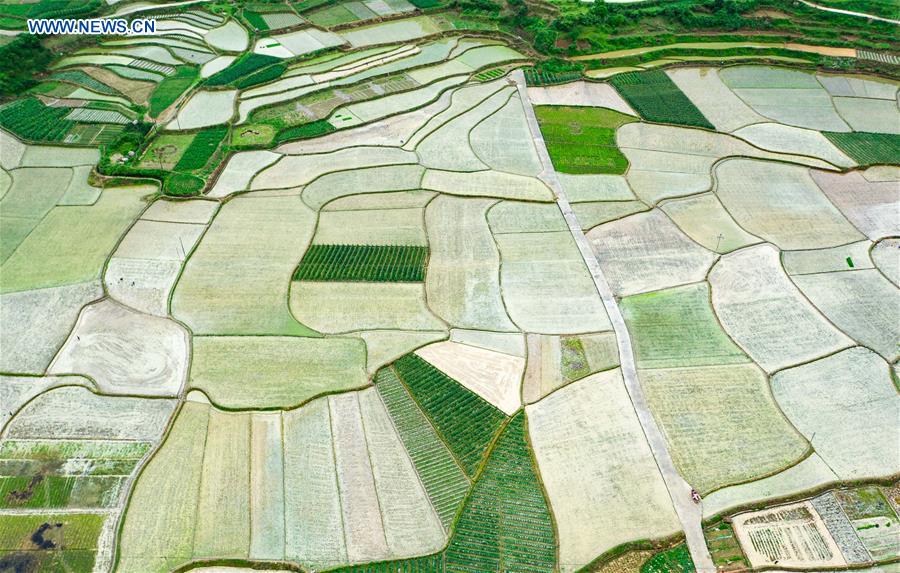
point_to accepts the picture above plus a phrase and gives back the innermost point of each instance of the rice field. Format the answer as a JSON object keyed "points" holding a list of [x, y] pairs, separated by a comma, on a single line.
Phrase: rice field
{"points": [[582, 140]]}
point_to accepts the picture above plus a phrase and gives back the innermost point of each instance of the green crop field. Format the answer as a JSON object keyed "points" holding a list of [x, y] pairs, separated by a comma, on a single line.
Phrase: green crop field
{"points": [[33, 121], [80, 78], [49, 543], [675, 560], [201, 148], [241, 68], [868, 148], [505, 524], [656, 97], [255, 19], [583, 139], [171, 88], [444, 481], [463, 418], [304, 131], [370, 263]]}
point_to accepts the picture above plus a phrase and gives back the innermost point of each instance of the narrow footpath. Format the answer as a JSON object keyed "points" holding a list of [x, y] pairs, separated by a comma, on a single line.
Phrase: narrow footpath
{"points": [[850, 13], [689, 513]]}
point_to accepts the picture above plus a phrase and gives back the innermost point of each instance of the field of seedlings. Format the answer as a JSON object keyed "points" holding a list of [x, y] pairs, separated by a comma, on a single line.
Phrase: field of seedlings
{"points": [[415, 286]]}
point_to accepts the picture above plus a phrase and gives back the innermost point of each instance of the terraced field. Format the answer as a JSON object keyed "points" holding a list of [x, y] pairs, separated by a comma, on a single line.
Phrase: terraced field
{"points": [[340, 286]]}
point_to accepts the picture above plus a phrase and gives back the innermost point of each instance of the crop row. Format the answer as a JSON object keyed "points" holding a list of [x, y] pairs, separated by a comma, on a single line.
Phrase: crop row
{"points": [[201, 148], [867, 148], [80, 78], [428, 564], [244, 66], [32, 120], [54, 491], [535, 77], [444, 482], [465, 421], [505, 524], [656, 98], [372, 263]]}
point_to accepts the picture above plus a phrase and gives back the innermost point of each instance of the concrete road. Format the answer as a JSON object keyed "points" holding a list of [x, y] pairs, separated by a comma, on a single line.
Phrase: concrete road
{"points": [[689, 513]]}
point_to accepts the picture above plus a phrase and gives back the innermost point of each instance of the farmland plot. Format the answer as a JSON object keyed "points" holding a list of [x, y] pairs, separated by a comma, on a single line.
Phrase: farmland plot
{"points": [[867, 148], [580, 93], [226, 288], [869, 115], [240, 170], [656, 98], [840, 527], [645, 252], [546, 286], [16, 391], [863, 304], [848, 402], [205, 108], [29, 349], [154, 540], [74, 539], [794, 140], [222, 528], [842, 258], [713, 98], [384, 108], [465, 420], [296, 170], [372, 227], [363, 263], [494, 376], [521, 217], [385, 346], [312, 514], [336, 307], [77, 413], [808, 474], [463, 278], [503, 141], [764, 199], [505, 342], [765, 313], [394, 31], [870, 206], [487, 184], [286, 371], [596, 187], [144, 267], [50, 257], [669, 161], [230, 37], [705, 220], [411, 524], [707, 414], [448, 146], [791, 97], [442, 478], [886, 256], [676, 327], [126, 352], [850, 86], [583, 139], [396, 200], [267, 518], [363, 180], [594, 213], [594, 515], [788, 535]]}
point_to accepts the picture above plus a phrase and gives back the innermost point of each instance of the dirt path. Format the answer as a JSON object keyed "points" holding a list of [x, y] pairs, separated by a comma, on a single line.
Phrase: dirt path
{"points": [[850, 13], [824, 50], [689, 513]]}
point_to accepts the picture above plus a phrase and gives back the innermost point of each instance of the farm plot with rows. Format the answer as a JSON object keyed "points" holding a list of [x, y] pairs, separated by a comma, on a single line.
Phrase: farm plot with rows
{"points": [[325, 285]]}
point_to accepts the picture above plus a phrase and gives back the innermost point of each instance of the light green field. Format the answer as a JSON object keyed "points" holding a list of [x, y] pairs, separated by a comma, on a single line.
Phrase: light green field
{"points": [[676, 327], [71, 244], [227, 288], [316, 366]]}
